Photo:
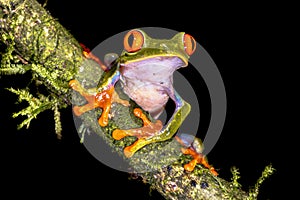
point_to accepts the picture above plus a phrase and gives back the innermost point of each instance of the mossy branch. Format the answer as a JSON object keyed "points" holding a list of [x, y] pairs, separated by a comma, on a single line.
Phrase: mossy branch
{"points": [[36, 44]]}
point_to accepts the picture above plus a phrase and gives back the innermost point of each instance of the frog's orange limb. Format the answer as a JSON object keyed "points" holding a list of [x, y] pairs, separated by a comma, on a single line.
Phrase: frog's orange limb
{"points": [[103, 100], [130, 150], [198, 158], [88, 54], [79, 110], [139, 113], [147, 131]]}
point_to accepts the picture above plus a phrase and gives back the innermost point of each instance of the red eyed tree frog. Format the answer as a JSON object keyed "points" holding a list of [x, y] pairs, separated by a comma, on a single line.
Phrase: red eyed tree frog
{"points": [[193, 146], [145, 69]]}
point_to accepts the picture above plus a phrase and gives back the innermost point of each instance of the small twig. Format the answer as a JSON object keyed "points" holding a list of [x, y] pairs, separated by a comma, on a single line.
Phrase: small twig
{"points": [[22, 60]]}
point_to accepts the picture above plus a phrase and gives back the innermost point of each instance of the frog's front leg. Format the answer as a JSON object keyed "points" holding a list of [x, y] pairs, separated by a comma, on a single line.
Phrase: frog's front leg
{"points": [[154, 132], [98, 98]]}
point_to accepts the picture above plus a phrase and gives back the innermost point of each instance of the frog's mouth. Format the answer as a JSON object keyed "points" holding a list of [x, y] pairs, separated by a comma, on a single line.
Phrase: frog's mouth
{"points": [[168, 61]]}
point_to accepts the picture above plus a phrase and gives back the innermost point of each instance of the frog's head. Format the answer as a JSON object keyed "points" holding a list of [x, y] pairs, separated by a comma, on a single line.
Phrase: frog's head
{"points": [[141, 49]]}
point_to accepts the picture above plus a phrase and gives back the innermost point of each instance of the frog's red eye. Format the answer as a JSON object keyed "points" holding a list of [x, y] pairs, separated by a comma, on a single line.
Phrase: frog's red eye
{"points": [[133, 41], [189, 44]]}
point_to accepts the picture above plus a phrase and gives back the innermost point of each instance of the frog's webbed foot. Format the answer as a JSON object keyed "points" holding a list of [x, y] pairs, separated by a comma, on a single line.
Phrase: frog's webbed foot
{"points": [[102, 99], [144, 134], [198, 158]]}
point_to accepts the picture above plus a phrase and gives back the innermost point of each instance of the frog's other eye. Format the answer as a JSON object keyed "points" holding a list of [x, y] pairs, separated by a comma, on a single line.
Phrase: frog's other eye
{"points": [[189, 44], [133, 41]]}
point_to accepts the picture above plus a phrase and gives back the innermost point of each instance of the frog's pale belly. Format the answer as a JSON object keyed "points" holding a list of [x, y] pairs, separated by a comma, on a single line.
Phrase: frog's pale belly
{"points": [[150, 97]]}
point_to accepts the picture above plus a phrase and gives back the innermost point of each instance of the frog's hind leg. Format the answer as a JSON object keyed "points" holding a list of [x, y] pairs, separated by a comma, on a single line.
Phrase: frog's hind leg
{"points": [[143, 134], [88, 54], [154, 132], [198, 157]]}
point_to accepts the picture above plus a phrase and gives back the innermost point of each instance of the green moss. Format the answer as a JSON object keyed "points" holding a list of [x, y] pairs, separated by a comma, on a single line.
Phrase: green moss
{"points": [[254, 191], [35, 43], [235, 177]]}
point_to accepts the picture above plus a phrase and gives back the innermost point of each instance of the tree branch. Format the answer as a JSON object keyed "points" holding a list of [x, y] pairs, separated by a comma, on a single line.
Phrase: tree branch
{"points": [[37, 44]]}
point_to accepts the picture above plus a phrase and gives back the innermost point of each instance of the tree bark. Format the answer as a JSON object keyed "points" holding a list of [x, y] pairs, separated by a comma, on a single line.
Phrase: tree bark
{"points": [[36, 43]]}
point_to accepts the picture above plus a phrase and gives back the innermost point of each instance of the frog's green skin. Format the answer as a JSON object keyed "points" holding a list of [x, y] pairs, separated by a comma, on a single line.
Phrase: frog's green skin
{"points": [[146, 76]]}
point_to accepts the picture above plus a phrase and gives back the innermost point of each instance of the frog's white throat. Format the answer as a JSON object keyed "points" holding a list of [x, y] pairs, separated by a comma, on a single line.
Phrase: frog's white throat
{"points": [[152, 69], [163, 61]]}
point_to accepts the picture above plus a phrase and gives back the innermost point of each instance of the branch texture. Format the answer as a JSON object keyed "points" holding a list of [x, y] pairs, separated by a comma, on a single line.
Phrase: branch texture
{"points": [[35, 43]]}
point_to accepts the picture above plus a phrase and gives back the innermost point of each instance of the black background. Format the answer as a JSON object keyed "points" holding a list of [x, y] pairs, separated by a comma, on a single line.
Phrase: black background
{"points": [[245, 42]]}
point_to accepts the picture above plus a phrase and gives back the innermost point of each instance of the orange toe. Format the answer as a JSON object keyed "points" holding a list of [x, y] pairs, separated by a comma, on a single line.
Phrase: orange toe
{"points": [[103, 120], [190, 166], [119, 134], [128, 152], [138, 144]]}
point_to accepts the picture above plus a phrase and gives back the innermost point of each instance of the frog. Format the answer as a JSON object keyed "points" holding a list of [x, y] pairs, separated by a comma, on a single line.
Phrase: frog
{"points": [[193, 146], [145, 71]]}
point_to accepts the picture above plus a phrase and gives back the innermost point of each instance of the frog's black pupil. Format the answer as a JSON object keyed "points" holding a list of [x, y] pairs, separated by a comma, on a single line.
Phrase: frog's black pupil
{"points": [[130, 40]]}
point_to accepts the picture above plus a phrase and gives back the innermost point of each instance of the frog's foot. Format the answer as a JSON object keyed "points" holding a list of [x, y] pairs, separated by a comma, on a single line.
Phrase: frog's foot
{"points": [[102, 99], [143, 134], [198, 158]]}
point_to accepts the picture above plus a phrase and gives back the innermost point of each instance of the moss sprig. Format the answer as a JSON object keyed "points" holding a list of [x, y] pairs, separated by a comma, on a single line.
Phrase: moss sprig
{"points": [[58, 126], [235, 176], [254, 191], [35, 107]]}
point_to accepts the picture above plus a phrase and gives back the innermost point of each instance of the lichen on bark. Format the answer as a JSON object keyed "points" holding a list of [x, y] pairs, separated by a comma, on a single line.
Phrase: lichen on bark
{"points": [[35, 43]]}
